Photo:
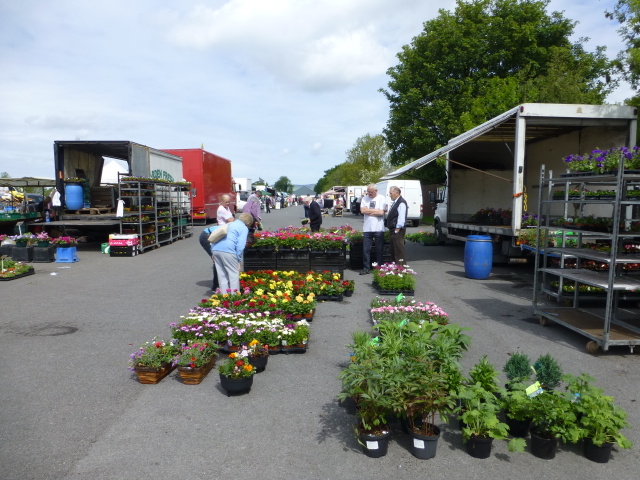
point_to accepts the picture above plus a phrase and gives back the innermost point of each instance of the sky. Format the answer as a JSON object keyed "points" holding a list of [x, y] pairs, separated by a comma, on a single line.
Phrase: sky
{"points": [[279, 87]]}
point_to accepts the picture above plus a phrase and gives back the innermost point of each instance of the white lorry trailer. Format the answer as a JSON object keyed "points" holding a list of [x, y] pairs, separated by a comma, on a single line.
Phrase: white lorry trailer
{"points": [[411, 191], [497, 164]]}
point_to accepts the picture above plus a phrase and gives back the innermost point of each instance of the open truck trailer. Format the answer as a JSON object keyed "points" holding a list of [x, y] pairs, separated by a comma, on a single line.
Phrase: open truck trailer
{"points": [[496, 165], [86, 159]]}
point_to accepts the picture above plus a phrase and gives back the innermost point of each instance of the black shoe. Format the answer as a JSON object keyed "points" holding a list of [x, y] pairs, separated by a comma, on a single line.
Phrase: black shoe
{"points": [[365, 271]]}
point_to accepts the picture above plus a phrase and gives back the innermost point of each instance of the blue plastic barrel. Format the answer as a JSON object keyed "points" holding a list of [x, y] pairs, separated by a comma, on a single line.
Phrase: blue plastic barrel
{"points": [[73, 197], [478, 257]]}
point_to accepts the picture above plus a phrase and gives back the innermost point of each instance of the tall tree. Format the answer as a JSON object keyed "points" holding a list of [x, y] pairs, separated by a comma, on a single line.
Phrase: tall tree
{"points": [[627, 13], [482, 59], [283, 184]]}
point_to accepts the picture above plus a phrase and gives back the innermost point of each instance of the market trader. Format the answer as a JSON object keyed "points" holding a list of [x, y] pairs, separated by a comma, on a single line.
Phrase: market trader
{"points": [[396, 220], [372, 207]]}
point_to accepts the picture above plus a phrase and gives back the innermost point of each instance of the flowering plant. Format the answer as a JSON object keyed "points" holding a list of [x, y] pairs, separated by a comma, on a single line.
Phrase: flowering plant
{"points": [[601, 161], [422, 237], [9, 268], [65, 242], [153, 354], [74, 180], [304, 221], [23, 238], [43, 236], [237, 365], [349, 284], [529, 219], [295, 333], [255, 349], [323, 241], [195, 355], [391, 276]]}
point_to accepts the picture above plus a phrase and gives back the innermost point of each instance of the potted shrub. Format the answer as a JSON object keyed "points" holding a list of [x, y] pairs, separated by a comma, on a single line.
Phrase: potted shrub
{"points": [[516, 404], [518, 368], [548, 371], [236, 373], [600, 420], [363, 382], [479, 409], [553, 418], [152, 361], [485, 374], [195, 361]]}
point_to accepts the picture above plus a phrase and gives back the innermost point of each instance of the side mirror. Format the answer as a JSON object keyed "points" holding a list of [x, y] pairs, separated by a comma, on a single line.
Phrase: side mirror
{"points": [[434, 199]]}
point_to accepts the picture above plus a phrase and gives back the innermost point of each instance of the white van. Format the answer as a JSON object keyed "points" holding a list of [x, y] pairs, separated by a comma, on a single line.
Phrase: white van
{"points": [[411, 191]]}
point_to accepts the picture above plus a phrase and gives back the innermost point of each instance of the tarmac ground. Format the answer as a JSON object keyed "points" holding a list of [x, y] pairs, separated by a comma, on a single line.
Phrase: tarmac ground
{"points": [[70, 408]]}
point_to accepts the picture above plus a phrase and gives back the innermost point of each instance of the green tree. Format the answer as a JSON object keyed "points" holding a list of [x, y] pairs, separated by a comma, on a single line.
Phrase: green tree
{"points": [[283, 184], [484, 58], [324, 183], [627, 13]]}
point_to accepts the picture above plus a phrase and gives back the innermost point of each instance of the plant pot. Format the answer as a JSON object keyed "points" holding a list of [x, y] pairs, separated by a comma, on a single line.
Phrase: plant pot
{"points": [[595, 453], [348, 293], [43, 243], [193, 376], [259, 363], [236, 386], [518, 428], [479, 447], [151, 376], [424, 446], [542, 447], [375, 446]]}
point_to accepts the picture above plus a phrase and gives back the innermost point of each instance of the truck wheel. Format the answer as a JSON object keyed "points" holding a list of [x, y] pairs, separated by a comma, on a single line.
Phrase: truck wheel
{"points": [[592, 347]]}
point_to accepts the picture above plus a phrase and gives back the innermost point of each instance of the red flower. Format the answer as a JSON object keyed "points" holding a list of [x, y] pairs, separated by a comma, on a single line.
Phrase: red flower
{"points": [[158, 344], [240, 363]]}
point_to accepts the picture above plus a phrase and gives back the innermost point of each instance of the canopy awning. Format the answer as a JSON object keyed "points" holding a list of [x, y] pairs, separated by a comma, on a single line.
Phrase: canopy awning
{"points": [[453, 143], [28, 182]]}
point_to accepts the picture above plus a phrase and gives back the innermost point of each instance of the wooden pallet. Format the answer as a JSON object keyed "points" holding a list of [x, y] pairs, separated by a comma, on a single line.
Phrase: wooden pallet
{"points": [[95, 211]]}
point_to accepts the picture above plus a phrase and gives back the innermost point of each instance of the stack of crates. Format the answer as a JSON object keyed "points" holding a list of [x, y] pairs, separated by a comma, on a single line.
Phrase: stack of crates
{"points": [[123, 245]]}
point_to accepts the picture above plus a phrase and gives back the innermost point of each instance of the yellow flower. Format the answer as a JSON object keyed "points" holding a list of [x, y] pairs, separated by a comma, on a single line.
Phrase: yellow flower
{"points": [[310, 278], [299, 299], [259, 292], [233, 355], [253, 342], [279, 293]]}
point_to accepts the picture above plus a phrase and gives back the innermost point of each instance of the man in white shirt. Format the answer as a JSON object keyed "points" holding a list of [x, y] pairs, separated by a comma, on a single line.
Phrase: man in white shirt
{"points": [[396, 220], [372, 207]]}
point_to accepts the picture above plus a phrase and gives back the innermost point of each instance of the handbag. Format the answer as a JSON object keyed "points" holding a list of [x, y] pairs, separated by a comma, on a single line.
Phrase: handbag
{"points": [[219, 233]]}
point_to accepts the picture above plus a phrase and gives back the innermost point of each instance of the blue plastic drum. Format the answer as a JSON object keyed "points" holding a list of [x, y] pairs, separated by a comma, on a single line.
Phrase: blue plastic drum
{"points": [[478, 257], [73, 196]]}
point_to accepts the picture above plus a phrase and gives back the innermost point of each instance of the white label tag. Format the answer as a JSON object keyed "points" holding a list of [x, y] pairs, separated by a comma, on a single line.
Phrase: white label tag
{"points": [[372, 445], [418, 443]]}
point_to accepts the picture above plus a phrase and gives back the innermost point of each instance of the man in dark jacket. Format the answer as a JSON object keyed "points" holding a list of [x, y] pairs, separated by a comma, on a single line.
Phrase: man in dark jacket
{"points": [[315, 216], [396, 220]]}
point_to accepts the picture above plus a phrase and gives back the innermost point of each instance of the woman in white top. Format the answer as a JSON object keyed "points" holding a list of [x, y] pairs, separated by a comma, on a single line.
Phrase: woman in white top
{"points": [[224, 214]]}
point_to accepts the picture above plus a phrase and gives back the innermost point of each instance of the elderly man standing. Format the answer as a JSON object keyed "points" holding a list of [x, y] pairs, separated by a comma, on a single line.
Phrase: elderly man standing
{"points": [[372, 207], [396, 220]]}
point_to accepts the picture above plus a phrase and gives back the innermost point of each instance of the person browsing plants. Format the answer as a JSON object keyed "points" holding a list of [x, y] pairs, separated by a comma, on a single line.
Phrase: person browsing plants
{"points": [[372, 207], [227, 253], [396, 220]]}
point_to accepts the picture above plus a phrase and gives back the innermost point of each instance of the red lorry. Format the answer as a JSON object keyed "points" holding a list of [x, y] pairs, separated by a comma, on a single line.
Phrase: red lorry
{"points": [[210, 176]]}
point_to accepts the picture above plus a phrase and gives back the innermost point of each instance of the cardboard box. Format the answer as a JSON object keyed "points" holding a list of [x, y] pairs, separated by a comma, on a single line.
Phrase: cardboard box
{"points": [[118, 251], [123, 240]]}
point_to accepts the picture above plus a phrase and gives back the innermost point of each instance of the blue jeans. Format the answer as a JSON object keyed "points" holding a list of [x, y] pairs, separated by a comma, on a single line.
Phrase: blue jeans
{"points": [[366, 248]]}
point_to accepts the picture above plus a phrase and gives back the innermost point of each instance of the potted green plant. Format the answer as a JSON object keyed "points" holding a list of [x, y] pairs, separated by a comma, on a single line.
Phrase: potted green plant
{"points": [[479, 409], [195, 361], [152, 361], [484, 374], [236, 373], [391, 277], [548, 371], [553, 418], [600, 420], [363, 382], [258, 354], [43, 239], [516, 403], [517, 368]]}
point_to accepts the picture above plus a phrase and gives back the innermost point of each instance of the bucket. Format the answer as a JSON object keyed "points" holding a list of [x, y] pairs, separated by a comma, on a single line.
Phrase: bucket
{"points": [[73, 196], [478, 257]]}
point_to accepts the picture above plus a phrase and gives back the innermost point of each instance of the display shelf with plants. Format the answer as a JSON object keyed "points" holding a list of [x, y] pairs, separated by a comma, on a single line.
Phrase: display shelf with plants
{"points": [[156, 210], [605, 273]]}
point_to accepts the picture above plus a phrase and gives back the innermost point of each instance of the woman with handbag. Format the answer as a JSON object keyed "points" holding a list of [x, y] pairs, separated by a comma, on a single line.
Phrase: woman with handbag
{"points": [[227, 253]]}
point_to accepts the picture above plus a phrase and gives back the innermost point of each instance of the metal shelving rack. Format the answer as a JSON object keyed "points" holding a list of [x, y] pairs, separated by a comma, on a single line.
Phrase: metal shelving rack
{"points": [[606, 320]]}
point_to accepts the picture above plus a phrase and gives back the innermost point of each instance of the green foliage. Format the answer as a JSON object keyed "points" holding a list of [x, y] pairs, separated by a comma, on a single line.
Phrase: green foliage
{"points": [[484, 374], [474, 63], [283, 184], [627, 13], [518, 368], [599, 418], [553, 416], [548, 371], [515, 402]]}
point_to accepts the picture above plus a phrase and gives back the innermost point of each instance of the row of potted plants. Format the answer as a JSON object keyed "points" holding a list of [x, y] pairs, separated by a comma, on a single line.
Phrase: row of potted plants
{"points": [[604, 161], [424, 238], [302, 238], [292, 284], [401, 308], [410, 371], [41, 239], [493, 216], [11, 270]]}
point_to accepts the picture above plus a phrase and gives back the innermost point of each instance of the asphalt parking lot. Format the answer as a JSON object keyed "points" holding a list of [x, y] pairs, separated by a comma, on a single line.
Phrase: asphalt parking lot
{"points": [[72, 410]]}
